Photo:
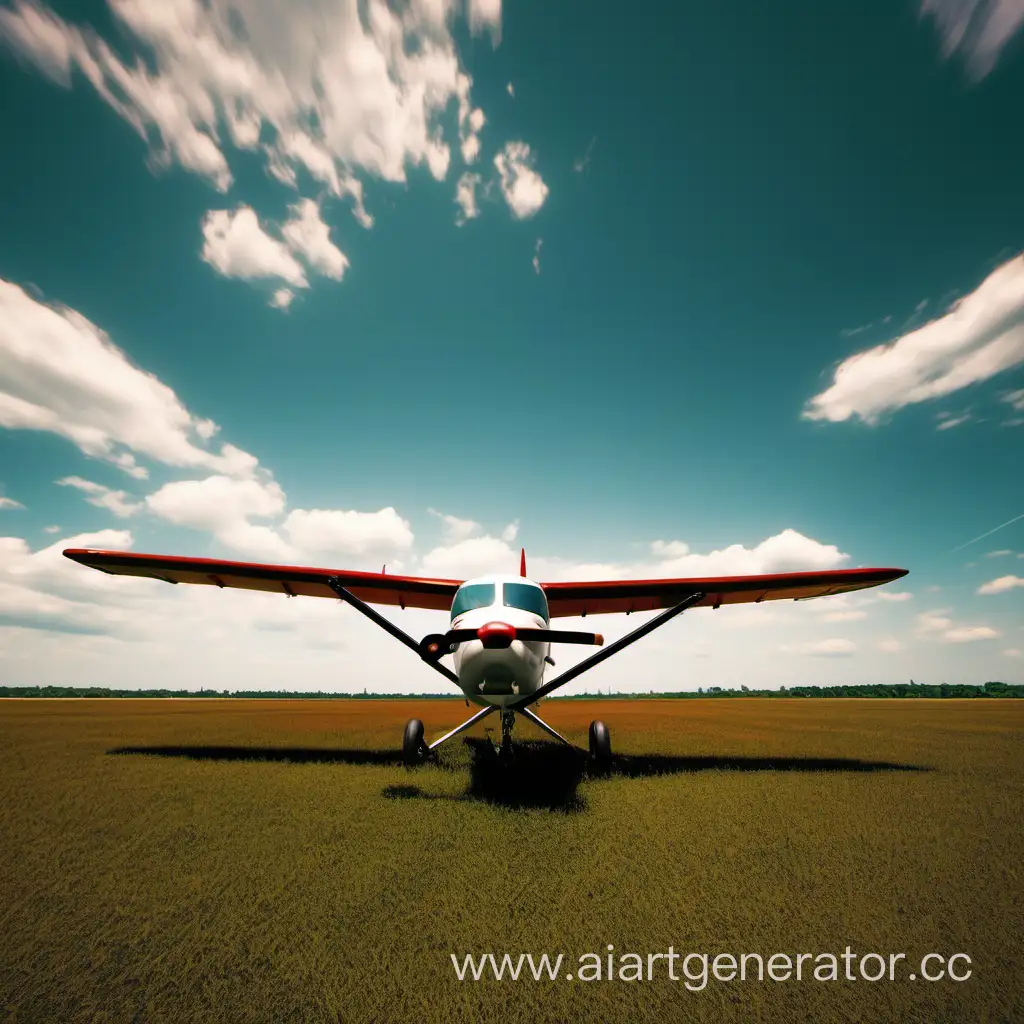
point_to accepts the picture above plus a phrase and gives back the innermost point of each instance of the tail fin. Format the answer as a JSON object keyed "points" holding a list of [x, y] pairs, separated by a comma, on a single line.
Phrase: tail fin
{"points": [[522, 562]]}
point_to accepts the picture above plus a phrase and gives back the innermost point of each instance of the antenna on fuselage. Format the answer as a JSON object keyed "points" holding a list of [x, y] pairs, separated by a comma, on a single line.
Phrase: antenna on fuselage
{"points": [[522, 562]]}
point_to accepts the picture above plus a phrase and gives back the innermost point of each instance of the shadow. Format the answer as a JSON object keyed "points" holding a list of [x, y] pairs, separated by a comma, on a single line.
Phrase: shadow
{"points": [[540, 776], [403, 793], [643, 765], [289, 755], [547, 775]]}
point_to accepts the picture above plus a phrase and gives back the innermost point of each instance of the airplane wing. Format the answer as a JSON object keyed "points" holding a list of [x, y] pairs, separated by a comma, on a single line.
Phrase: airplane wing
{"points": [[292, 580], [600, 598], [564, 599]]}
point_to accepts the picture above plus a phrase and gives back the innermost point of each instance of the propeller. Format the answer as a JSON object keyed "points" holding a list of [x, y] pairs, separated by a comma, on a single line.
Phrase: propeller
{"points": [[498, 636]]}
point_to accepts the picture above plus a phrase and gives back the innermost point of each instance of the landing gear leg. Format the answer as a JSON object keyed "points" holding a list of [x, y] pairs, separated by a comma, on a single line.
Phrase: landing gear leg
{"points": [[508, 720]]}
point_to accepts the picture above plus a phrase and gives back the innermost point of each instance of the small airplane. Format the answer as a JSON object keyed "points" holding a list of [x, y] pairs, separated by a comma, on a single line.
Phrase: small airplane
{"points": [[500, 631]]}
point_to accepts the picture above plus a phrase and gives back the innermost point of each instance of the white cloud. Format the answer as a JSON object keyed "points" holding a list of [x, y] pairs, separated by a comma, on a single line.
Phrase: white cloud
{"points": [[235, 245], [523, 188], [226, 508], [1002, 552], [61, 374], [206, 429], [51, 529], [332, 89], [154, 105], [979, 337], [465, 198], [223, 506], [852, 332], [787, 551], [42, 37], [968, 634], [937, 624], [338, 532], [669, 548], [206, 504], [282, 298], [456, 529], [977, 29], [853, 615], [953, 421], [1015, 399], [1001, 585], [474, 556], [889, 645], [831, 647], [118, 502], [471, 122], [43, 590], [309, 237], [485, 15], [10, 503], [510, 89], [1013, 652], [463, 554], [536, 255], [934, 621], [897, 595]]}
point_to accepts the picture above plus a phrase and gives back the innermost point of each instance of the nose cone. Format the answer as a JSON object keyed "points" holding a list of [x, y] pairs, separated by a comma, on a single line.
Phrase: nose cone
{"points": [[496, 635]]}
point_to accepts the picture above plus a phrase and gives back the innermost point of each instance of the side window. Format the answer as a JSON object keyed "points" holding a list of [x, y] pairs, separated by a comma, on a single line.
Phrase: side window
{"points": [[531, 599], [476, 595]]}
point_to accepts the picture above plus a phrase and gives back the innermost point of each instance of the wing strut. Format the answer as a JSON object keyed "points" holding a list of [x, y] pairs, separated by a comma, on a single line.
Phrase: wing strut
{"points": [[541, 724], [386, 624], [606, 652], [482, 713]]}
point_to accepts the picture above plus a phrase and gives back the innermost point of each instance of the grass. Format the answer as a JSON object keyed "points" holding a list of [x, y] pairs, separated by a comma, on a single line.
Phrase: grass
{"points": [[176, 860]]}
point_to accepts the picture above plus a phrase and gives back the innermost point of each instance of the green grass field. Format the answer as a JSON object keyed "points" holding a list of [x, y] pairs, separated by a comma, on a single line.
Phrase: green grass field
{"points": [[272, 860]]}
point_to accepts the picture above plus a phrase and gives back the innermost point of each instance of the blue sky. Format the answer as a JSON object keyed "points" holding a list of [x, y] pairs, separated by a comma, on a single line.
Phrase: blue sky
{"points": [[687, 292]]}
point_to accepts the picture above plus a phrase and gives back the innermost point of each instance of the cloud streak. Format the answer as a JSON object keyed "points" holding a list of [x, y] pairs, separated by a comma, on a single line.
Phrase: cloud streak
{"points": [[333, 92], [979, 337], [988, 533], [978, 30], [61, 374]]}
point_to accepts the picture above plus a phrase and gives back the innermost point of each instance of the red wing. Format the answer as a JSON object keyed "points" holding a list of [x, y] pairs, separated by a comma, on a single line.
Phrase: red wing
{"points": [[372, 587], [647, 595]]}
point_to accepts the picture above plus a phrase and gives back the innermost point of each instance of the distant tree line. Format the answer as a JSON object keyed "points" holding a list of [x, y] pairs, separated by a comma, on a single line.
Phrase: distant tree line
{"points": [[911, 689], [102, 691]]}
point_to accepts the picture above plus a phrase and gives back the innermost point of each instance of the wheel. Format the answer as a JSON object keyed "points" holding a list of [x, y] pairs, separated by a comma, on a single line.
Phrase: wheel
{"points": [[600, 744], [413, 747]]}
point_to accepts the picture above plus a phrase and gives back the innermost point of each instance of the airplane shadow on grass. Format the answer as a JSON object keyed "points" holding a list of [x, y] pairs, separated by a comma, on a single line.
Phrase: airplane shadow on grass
{"points": [[541, 775]]}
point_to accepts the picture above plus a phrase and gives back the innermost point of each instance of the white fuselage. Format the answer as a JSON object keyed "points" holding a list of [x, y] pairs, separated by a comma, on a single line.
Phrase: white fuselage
{"points": [[499, 676]]}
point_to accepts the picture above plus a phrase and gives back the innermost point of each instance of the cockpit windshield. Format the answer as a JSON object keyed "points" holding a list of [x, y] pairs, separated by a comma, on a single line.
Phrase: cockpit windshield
{"points": [[527, 597], [475, 595]]}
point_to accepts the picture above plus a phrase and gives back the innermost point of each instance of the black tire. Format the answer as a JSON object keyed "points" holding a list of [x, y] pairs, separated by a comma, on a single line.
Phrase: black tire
{"points": [[600, 745], [414, 750]]}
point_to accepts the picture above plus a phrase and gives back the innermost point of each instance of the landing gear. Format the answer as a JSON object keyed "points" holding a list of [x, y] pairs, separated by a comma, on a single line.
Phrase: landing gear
{"points": [[414, 750], [508, 720], [600, 745]]}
